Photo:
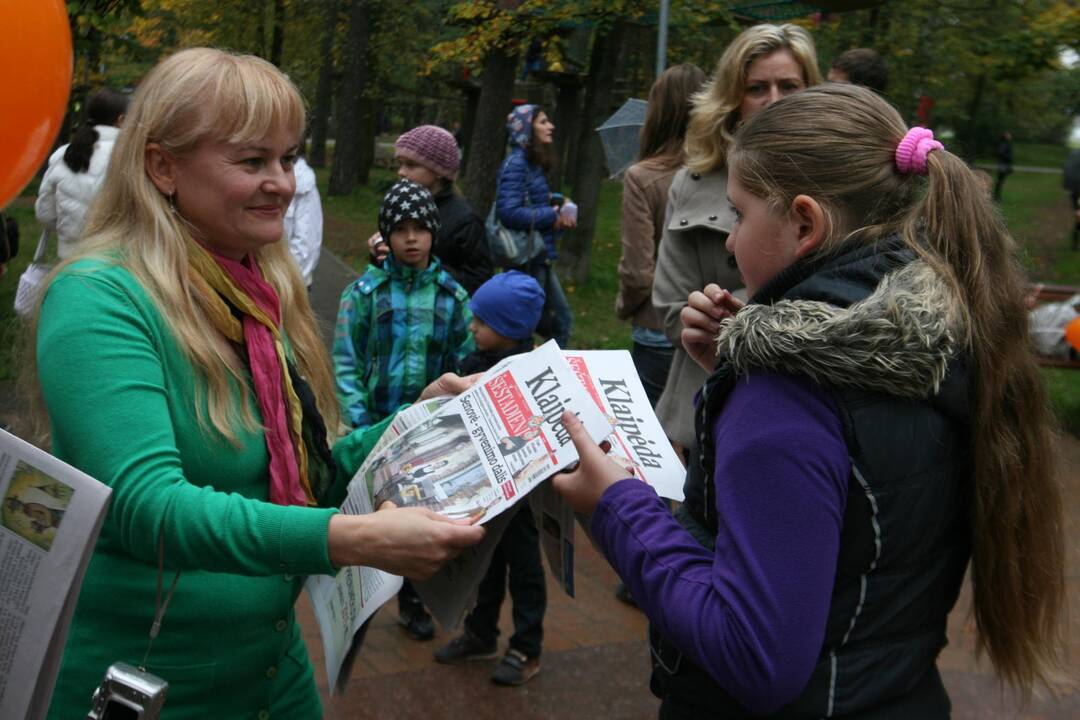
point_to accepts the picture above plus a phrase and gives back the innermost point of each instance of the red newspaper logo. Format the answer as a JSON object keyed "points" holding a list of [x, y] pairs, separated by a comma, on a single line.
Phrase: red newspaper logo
{"points": [[511, 406], [577, 364], [508, 489]]}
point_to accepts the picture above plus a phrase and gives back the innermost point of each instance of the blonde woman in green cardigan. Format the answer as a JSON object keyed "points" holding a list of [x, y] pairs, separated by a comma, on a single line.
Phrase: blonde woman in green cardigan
{"points": [[179, 362]]}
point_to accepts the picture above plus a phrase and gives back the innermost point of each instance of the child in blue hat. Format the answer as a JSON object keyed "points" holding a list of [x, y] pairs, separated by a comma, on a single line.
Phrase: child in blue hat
{"points": [[506, 310]]}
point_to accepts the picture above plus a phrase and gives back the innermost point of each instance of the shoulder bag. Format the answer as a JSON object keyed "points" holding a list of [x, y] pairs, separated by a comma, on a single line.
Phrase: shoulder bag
{"points": [[32, 278]]}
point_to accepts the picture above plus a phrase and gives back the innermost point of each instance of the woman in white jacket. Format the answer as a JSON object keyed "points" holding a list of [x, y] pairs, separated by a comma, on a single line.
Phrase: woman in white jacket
{"points": [[76, 170]]}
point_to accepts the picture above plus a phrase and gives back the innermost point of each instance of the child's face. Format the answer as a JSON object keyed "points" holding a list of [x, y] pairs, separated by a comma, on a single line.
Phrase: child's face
{"points": [[486, 338], [412, 170], [411, 244], [763, 243]]}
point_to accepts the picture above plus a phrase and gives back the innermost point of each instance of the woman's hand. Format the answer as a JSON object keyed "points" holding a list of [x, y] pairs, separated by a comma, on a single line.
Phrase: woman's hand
{"points": [[449, 384], [701, 322], [595, 473], [412, 542], [378, 247], [563, 222]]}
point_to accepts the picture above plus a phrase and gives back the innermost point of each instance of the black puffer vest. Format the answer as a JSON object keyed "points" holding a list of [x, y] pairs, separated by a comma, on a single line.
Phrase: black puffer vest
{"points": [[904, 541]]}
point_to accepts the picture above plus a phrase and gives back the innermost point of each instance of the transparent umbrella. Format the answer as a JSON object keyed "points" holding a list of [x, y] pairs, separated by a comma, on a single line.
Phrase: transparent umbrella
{"points": [[619, 136]]}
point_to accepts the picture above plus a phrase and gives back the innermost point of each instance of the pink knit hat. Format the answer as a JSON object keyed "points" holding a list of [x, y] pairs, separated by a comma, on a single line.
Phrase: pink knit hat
{"points": [[432, 147]]}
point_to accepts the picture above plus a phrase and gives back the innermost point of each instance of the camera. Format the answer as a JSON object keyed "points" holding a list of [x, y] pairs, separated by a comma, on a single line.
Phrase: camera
{"points": [[128, 693]]}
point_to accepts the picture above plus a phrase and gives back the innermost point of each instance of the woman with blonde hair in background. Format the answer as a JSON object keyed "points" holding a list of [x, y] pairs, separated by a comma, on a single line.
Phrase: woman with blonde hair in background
{"points": [[874, 420], [761, 65], [179, 363]]}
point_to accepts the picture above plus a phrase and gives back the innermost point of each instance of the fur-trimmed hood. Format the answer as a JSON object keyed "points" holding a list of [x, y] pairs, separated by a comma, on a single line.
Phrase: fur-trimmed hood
{"points": [[898, 340]]}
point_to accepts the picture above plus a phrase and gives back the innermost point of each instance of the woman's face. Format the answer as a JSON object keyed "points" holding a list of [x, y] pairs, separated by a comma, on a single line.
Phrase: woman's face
{"points": [[768, 79], [763, 244], [234, 195], [543, 130]]}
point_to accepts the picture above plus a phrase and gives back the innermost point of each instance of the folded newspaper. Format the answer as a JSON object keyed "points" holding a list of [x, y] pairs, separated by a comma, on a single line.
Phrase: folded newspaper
{"points": [[476, 456], [49, 521]]}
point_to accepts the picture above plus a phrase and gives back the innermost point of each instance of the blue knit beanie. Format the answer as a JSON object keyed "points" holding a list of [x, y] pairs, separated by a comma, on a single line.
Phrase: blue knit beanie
{"points": [[519, 124], [510, 304]]}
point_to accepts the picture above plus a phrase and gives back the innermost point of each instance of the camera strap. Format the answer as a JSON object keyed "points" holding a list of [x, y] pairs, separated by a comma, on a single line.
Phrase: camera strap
{"points": [[159, 606]]}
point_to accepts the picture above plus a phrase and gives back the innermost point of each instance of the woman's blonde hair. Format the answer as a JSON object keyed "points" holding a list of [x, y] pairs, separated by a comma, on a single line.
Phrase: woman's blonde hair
{"points": [[715, 114], [836, 144], [190, 97]]}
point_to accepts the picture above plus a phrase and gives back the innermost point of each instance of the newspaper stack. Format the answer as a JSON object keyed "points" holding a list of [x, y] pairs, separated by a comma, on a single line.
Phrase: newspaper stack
{"points": [[49, 521], [476, 456]]}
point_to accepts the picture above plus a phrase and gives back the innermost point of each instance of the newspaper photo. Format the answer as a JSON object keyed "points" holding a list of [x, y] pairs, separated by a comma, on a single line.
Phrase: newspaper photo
{"points": [[472, 458], [50, 518]]}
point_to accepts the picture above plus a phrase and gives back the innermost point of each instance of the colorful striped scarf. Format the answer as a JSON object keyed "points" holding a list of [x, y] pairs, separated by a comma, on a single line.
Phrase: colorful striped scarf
{"points": [[230, 284]]}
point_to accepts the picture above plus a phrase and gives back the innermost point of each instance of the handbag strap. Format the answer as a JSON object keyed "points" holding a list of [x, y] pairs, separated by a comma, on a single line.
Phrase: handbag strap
{"points": [[39, 254]]}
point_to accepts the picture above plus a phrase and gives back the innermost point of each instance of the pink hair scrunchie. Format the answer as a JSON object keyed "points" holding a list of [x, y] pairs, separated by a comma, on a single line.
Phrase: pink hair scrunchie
{"points": [[912, 151]]}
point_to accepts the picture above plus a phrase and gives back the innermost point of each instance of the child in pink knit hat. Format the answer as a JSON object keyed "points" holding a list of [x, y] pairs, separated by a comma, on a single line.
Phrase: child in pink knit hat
{"points": [[429, 155]]}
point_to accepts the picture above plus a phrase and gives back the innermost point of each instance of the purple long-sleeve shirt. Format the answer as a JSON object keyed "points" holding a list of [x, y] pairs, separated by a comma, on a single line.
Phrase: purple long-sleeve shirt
{"points": [[752, 613]]}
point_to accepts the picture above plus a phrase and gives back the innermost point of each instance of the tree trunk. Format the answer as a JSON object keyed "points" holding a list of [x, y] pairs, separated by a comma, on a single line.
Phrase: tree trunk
{"points": [[488, 141], [347, 150], [277, 41], [577, 244], [366, 139], [324, 91], [472, 100], [969, 142], [567, 113]]}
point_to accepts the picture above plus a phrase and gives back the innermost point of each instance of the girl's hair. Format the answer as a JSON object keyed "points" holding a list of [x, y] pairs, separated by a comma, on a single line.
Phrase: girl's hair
{"points": [[716, 106], [668, 114], [191, 97], [105, 107], [542, 156], [836, 143]]}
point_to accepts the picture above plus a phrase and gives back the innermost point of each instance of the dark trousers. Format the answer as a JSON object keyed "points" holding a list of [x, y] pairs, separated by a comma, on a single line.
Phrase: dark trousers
{"points": [[1076, 219], [408, 600], [518, 551], [556, 319], [652, 365]]}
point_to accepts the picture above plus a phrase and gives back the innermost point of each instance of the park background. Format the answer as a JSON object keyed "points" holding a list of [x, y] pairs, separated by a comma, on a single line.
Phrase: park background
{"points": [[370, 69]]}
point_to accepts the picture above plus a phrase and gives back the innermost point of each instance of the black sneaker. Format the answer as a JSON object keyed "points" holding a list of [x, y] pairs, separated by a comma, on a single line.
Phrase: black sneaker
{"points": [[465, 647], [515, 668], [417, 623], [622, 593]]}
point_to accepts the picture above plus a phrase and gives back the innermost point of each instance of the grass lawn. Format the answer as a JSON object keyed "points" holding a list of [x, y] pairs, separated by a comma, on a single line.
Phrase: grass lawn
{"points": [[1034, 205]]}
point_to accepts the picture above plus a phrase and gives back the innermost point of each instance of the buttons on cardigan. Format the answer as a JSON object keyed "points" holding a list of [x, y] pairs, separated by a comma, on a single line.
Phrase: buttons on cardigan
{"points": [[695, 176], [280, 625], [264, 715], [712, 217], [287, 577], [271, 672], [684, 222]]}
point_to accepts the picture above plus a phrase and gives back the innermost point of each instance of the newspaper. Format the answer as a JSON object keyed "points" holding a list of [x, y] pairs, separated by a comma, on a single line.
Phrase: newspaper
{"points": [[49, 522], [637, 441], [470, 457]]}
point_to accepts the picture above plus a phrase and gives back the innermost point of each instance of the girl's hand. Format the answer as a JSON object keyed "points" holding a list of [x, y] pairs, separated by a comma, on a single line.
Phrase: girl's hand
{"points": [[582, 487], [378, 247], [413, 542], [449, 384], [563, 222], [701, 322]]}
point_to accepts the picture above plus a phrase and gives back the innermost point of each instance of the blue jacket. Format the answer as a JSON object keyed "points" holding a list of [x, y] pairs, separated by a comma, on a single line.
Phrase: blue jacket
{"points": [[524, 199], [398, 329]]}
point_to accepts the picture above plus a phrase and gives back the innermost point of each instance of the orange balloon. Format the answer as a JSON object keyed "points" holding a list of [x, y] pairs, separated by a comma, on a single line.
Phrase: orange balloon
{"points": [[1072, 333], [35, 77]]}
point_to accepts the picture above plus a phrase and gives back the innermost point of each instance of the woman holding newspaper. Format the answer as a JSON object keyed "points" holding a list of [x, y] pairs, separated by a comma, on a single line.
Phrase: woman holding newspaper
{"points": [[179, 363]]}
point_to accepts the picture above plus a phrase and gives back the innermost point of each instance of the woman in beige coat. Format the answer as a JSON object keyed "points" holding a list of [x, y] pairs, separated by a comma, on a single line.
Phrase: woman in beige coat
{"points": [[763, 64], [644, 199]]}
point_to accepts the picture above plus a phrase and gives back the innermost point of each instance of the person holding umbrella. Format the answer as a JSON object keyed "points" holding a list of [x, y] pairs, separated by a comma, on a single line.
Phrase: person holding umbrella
{"points": [[763, 64]]}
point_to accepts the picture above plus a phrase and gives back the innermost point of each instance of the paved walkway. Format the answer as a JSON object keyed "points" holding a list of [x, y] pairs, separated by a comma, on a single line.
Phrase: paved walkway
{"points": [[595, 662]]}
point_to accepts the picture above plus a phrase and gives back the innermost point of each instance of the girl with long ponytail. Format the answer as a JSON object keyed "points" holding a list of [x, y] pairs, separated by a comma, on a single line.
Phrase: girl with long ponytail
{"points": [[874, 421]]}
